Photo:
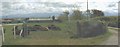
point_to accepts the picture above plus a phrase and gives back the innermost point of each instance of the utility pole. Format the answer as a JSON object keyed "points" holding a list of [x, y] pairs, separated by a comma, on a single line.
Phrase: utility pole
{"points": [[88, 11], [87, 5]]}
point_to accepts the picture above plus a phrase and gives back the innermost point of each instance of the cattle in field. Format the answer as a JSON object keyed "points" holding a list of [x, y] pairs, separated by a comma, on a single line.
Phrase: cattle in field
{"points": [[20, 32], [53, 27], [43, 28], [37, 28], [17, 32]]}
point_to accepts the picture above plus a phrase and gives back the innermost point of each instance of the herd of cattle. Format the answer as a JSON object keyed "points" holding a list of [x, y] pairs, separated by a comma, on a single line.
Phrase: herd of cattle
{"points": [[35, 28], [42, 28]]}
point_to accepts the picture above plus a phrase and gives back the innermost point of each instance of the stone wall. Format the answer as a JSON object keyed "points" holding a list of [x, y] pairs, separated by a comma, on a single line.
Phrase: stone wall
{"points": [[90, 28]]}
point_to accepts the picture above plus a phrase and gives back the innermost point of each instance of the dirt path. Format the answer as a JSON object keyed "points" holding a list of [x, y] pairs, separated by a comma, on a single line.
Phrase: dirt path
{"points": [[113, 39]]}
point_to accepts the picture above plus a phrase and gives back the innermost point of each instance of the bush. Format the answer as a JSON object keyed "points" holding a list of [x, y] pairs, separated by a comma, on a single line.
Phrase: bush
{"points": [[63, 18], [110, 20], [91, 28]]}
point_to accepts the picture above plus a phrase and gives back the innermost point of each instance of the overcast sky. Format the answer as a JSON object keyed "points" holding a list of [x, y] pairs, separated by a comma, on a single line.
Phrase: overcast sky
{"points": [[54, 6]]}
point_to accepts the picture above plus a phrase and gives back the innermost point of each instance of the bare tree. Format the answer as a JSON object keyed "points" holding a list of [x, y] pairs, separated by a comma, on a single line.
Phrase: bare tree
{"points": [[76, 15]]}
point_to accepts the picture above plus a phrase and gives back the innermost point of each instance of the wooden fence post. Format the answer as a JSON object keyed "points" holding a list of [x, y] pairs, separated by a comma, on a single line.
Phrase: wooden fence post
{"points": [[3, 38], [21, 33], [14, 33]]}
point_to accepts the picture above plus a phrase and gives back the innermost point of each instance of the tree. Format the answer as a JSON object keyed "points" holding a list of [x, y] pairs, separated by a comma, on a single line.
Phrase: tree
{"points": [[53, 18], [76, 15], [66, 13], [96, 13], [64, 16]]}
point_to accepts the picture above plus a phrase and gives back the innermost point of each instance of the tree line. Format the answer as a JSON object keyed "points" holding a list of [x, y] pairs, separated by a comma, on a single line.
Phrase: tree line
{"points": [[79, 15]]}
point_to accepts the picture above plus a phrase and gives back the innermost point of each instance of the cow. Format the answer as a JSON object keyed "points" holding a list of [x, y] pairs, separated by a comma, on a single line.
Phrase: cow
{"points": [[53, 27]]}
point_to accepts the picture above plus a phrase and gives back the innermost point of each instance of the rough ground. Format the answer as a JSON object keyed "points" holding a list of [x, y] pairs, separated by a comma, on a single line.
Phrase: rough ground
{"points": [[113, 39], [0, 41]]}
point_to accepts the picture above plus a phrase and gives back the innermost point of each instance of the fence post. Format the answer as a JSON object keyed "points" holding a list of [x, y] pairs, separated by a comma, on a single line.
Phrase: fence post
{"points": [[3, 35], [14, 33], [21, 33]]}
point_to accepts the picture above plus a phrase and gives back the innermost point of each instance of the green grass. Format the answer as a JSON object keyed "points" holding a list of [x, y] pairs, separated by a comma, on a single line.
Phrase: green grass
{"points": [[52, 37]]}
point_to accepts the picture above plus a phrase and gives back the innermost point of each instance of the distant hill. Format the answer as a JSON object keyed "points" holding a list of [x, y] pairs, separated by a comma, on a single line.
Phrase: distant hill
{"points": [[30, 15], [36, 15]]}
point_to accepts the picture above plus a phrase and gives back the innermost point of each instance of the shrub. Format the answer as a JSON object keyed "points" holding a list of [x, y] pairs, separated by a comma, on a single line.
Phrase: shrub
{"points": [[110, 20], [62, 18]]}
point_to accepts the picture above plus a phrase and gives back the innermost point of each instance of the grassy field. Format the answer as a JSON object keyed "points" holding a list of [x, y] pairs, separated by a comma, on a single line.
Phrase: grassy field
{"points": [[52, 37]]}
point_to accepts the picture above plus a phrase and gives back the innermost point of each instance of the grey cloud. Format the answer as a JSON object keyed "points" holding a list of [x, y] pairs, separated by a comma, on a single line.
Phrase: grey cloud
{"points": [[6, 5], [55, 4], [47, 4], [37, 6], [112, 5]]}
